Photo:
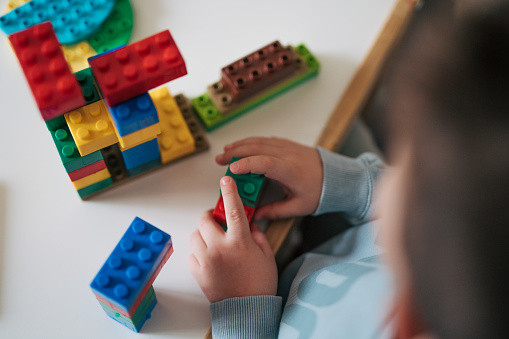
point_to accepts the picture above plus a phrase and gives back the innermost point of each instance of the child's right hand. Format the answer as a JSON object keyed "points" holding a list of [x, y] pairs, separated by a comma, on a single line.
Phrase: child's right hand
{"points": [[296, 167]]}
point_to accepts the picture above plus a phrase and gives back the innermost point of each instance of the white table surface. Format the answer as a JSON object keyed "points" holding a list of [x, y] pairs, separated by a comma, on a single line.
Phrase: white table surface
{"points": [[52, 244]]}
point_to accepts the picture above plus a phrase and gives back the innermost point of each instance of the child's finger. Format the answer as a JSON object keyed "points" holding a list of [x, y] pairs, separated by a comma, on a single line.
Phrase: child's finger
{"points": [[277, 210], [271, 167], [210, 230], [197, 243], [236, 218], [274, 142], [261, 240]]}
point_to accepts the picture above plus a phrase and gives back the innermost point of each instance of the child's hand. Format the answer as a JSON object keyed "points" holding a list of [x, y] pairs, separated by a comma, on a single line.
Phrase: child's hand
{"points": [[296, 167], [235, 263]]}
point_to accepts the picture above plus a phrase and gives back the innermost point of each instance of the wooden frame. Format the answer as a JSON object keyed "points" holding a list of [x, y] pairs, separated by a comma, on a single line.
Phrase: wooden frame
{"points": [[351, 102]]}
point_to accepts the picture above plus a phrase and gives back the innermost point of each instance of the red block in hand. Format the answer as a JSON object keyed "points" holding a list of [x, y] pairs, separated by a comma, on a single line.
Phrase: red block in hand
{"points": [[219, 213], [134, 69], [53, 85]]}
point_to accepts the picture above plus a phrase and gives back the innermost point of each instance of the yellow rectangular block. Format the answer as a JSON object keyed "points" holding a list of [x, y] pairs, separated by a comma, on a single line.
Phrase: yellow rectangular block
{"points": [[175, 139], [91, 179], [139, 137], [91, 127]]}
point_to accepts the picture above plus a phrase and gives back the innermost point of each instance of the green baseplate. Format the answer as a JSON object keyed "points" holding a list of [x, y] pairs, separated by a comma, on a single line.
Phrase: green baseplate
{"points": [[211, 117]]}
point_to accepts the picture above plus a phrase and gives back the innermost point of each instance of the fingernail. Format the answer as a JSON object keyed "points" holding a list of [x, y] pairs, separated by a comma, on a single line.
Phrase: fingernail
{"points": [[234, 166], [218, 157], [225, 180]]}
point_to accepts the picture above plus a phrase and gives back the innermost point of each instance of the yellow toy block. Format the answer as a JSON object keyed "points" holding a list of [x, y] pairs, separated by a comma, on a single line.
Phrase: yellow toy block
{"points": [[12, 4], [175, 139], [77, 55], [91, 179], [139, 137], [91, 127]]}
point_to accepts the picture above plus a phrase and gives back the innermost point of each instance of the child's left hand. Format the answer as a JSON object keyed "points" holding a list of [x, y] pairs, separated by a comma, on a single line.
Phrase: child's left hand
{"points": [[235, 263]]}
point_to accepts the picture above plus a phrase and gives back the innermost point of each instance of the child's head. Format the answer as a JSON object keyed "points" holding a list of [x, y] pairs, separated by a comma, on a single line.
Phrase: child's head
{"points": [[445, 209]]}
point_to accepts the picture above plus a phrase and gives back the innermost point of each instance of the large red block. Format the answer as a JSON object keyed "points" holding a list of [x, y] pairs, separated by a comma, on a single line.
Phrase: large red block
{"points": [[220, 217], [136, 68], [53, 85]]}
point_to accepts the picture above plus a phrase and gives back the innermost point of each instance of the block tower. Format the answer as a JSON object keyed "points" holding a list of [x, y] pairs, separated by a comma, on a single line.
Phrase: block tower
{"points": [[252, 80], [105, 123], [123, 285], [250, 187]]}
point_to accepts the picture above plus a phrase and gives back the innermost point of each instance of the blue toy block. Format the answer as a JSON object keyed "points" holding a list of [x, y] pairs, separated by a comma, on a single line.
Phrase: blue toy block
{"points": [[69, 153], [145, 167], [73, 21], [105, 52], [134, 114], [141, 154], [249, 185], [131, 264]]}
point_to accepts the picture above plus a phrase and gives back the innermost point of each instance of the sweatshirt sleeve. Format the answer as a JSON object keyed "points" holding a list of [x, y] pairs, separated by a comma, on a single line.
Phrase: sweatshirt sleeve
{"points": [[348, 184], [246, 317]]}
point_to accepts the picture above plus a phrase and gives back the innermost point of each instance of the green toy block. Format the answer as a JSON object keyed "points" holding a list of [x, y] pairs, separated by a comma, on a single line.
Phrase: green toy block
{"points": [[116, 29], [95, 187], [56, 123], [87, 84], [249, 185], [68, 151], [211, 117]]}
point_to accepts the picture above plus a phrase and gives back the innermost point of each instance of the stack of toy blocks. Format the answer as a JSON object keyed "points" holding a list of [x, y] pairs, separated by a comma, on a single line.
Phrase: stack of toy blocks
{"points": [[250, 188], [252, 80], [105, 124], [123, 285]]}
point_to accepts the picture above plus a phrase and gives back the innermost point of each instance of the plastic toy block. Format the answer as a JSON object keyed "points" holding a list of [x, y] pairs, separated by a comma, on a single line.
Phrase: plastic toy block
{"points": [[74, 20], [139, 137], [87, 84], [133, 321], [146, 316], [136, 68], [91, 127], [175, 139], [94, 188], [226, 103], [131, 264], [56, 123], [258, 70], [141, 154], [133, 115], [249, 185], [77, 55], [68, 151], [145, 290], [54, 87], [115, 162], [220, 217], [87, 170], [91, 179], [144, 167], [116, 29], [200, 139], [211, 117]]}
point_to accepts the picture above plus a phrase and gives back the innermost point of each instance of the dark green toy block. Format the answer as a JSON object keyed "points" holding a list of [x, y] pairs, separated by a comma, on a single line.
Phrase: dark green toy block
{"points": [[95, 187], [69, 153], [87, 84], [249, 185]]}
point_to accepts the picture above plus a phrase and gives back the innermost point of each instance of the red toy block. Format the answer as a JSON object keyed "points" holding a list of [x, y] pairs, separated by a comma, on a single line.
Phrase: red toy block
{"points": [[53, 85], [87, 170], [143, 292], [258, 70], [220, 217], [134, 69]]}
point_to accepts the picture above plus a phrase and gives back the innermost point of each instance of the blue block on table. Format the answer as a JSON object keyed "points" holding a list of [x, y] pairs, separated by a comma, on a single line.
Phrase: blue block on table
{"points": [[131, 264], [141, 154], [134, 114]]}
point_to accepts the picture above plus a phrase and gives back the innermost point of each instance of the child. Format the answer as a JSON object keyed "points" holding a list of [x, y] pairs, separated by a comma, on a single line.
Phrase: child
{"points": [[443, 219]]}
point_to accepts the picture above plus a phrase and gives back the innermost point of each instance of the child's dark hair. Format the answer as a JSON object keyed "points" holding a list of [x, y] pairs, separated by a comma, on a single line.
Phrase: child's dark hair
{"points": [[450, 101]]}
